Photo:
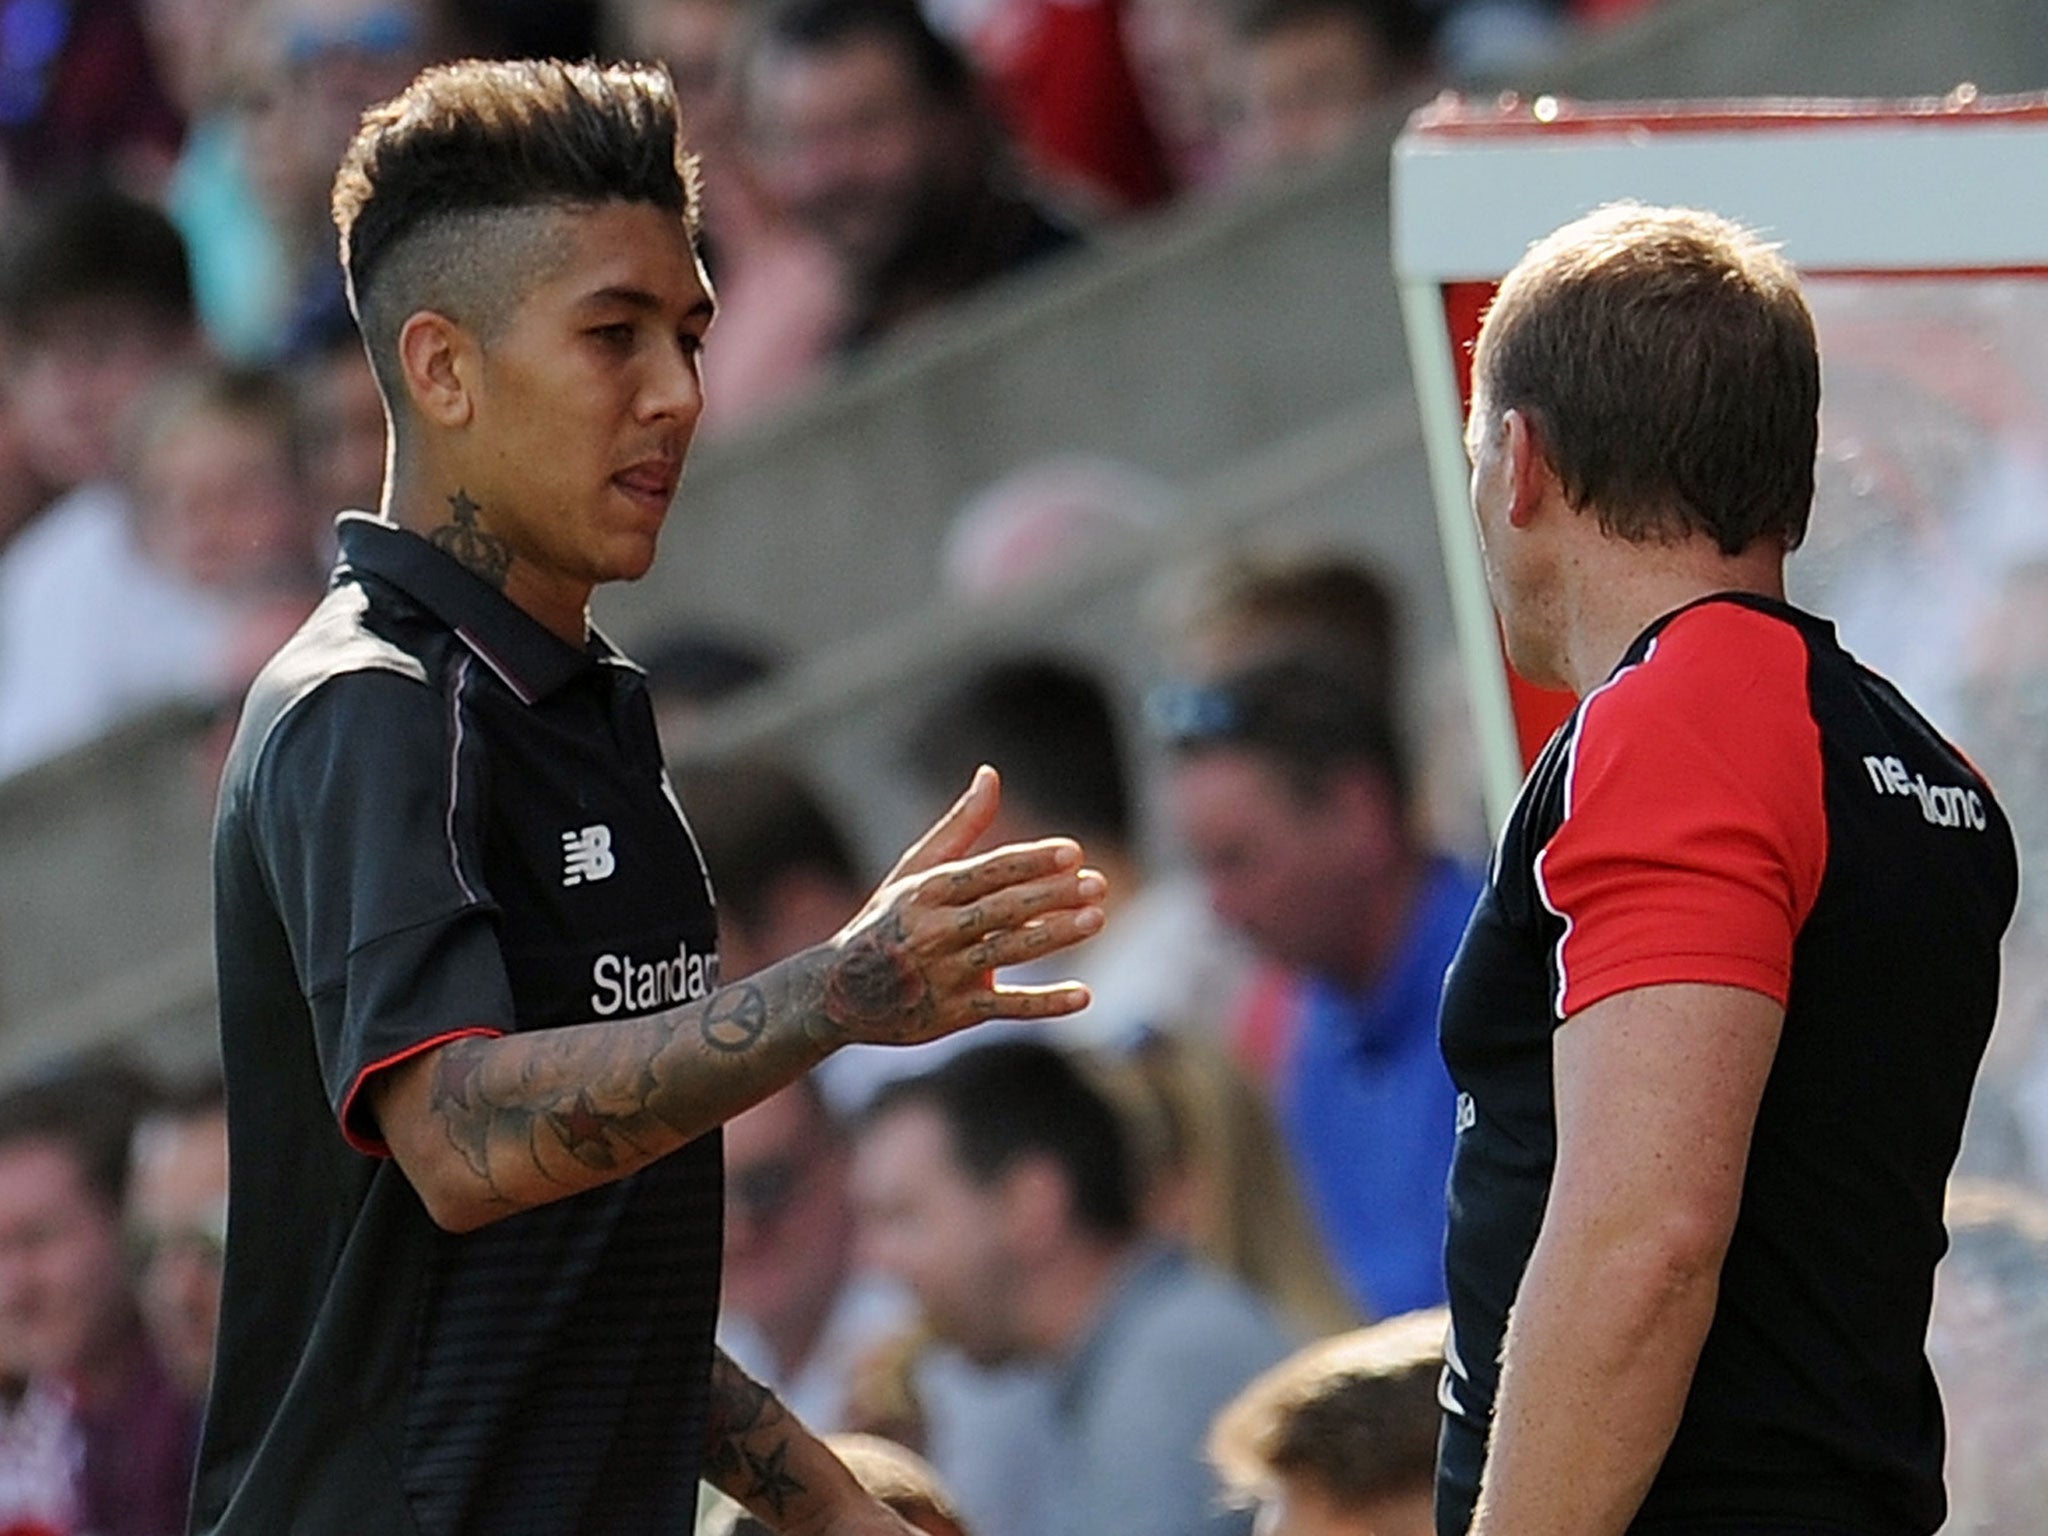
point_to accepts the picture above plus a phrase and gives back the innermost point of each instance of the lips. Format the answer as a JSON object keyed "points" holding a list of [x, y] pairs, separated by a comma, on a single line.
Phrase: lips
{"points": [[652, 481]]}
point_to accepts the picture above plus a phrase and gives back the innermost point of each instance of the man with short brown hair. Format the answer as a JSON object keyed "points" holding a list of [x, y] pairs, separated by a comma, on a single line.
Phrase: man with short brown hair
{"points": [[1339, 1439], [1717, 1016]]}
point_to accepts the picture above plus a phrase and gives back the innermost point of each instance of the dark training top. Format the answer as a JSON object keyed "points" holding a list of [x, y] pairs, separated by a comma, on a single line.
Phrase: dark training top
{"points": [[439, 819], [1743, 804]]}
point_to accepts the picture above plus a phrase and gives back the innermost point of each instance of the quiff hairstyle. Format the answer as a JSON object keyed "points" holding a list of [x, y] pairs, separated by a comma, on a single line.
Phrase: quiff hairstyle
{"points": [[434, 198], [1666, 361], [1354, 1416]]}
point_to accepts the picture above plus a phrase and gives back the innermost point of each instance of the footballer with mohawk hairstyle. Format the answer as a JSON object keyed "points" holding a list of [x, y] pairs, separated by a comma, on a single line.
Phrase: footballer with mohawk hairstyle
{"points": [[473, 1252]]}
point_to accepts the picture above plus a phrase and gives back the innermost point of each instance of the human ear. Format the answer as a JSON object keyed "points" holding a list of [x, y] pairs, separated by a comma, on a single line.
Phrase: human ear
{"points": [[1530, 476], [434, 359]]}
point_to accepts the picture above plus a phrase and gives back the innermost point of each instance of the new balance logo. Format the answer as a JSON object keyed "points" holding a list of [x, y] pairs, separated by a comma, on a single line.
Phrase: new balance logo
{"points": [[587, 855], [1945, 805]]}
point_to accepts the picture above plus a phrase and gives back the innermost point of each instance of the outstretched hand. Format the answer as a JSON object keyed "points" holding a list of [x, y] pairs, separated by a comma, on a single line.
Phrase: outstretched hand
{"points": [[918, 960]]}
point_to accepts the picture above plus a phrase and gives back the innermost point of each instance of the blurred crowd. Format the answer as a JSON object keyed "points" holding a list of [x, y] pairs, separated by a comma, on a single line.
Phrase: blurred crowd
{"points": [[1166, 1263], [185, 404], [1111, 1276]]}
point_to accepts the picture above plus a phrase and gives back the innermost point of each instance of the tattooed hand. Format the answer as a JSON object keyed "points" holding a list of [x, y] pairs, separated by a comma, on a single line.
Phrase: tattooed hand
{"points": [[918, 961]]}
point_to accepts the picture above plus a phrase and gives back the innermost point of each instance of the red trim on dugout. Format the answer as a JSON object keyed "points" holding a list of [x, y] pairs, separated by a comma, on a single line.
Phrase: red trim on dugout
{"points": [[369, 1146], [1538, 712], [1514, 116]]}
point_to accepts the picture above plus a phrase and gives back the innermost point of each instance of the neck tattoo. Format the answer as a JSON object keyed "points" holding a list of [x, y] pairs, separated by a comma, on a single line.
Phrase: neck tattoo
{"points": [[475, 548]]}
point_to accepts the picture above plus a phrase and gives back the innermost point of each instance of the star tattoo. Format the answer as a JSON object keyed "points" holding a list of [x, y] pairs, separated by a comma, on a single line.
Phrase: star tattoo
{"points": [[772, 1480]]}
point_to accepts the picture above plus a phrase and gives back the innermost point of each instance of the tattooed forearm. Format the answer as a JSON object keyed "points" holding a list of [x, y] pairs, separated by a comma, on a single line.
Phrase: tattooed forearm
{"points": [[747, 1441], [538, 1115], [462, 1102], [736, 1018], [479, 550]]}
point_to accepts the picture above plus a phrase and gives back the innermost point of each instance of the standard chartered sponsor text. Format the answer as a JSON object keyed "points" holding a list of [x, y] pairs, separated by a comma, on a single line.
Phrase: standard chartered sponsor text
{"points": [[623, 984]]}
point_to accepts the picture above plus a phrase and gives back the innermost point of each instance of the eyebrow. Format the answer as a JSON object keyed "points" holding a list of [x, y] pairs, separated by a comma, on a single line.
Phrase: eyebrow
{"points": [[640, 299]]}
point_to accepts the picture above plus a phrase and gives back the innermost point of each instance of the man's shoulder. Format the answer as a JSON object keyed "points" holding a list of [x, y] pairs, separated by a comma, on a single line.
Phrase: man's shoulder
{"points": [[1721, 654], [339, 640]]}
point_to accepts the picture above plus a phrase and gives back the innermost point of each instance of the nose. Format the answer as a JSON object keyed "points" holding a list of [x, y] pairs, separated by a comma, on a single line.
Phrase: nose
{"points": [[674, 389]]}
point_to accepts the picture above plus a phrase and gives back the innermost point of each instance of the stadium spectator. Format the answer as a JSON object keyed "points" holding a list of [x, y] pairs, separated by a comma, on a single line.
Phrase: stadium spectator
{"points": [[795, 1314], [1291, 794], [782, 295], [1181, 53], [1217, 1177], [1050, 726], [1311, 74], [1250, 605], [1058, 72], [177, 1225], [82, 98], [782, 867], [1048, 518], [1339, 1439], [693, 667], [203, 51], [66, 1309], [786, 880], [1492, 39], [221, 504], [871, 130], [313, 67], [999, 1187], [95, 296]]}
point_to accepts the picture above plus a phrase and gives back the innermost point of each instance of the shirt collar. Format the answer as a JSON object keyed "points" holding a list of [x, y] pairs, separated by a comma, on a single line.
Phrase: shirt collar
{"points": [[528, 658]]}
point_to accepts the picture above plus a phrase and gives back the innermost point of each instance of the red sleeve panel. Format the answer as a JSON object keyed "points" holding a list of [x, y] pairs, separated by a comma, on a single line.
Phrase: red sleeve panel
{"points": [[1694, 835]]}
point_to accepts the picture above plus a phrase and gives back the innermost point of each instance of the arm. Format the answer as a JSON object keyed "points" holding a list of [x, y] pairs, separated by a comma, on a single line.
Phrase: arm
{"points": [[484, 1127], [757, 1452], [1657, 1094]]}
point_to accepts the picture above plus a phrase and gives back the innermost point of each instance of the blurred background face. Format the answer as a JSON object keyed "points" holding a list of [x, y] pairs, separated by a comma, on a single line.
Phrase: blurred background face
{"points": [[219, 503], [191, 42], [177, 1220], [76, 381], [1307, 89], [788, 1221], [847, 142], [315, 65], [925, 1223], [1277, 868], [694, 38], [62, 1278]]}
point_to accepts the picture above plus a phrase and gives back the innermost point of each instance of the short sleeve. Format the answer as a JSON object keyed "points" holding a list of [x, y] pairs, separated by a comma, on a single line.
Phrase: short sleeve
{"points": [[365, 817], [1694, 834]]}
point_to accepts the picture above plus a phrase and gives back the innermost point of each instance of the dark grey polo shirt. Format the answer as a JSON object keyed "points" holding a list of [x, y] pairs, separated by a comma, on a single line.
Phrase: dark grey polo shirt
{"points": [[439, 818]]}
